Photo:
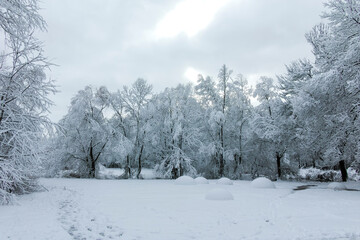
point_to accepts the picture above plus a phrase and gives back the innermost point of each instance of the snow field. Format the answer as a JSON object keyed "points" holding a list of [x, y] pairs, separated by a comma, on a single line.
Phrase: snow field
{"points": [[219, 194], [159, 210], [262, 182]]}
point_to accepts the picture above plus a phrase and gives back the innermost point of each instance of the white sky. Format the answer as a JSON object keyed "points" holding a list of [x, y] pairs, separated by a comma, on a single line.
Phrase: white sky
{"points": [[167, 42]]}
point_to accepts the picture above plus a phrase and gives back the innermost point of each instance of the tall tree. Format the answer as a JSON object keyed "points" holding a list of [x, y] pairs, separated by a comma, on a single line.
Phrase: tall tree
{"points": [[24, 91], [135, 100], [85, 135], [214, 97], [270, 121], [121, 124], [179, 123], [239, 115], [329, 101], [224, 78]]}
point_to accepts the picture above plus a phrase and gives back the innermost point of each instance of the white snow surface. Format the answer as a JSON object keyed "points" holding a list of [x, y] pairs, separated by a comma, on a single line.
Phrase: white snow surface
{"points": [[201, 180], [224, 181], [184, 180], [337, 186], [262, 182], [160, 210], [219, 194]]}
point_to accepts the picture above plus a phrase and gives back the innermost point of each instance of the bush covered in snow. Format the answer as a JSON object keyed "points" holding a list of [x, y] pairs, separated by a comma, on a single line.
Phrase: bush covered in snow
{"points": [[184, 180], [337, 186], [219, 194], [353, 174], [314, 174], [108, 173], [262, 182], [201, 180], [224, 181]]}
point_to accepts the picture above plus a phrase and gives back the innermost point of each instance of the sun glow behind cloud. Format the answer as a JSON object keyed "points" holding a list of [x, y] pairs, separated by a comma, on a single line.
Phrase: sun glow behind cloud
{"points": [[192, 74], [189, 17]]}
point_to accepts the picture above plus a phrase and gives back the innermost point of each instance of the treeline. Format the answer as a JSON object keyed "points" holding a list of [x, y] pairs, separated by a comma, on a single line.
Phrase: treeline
{"points": [[308, 117]]}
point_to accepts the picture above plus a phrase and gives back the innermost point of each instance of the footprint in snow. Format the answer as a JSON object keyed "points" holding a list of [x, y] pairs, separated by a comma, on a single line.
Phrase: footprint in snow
{"points": [[83, 225]]}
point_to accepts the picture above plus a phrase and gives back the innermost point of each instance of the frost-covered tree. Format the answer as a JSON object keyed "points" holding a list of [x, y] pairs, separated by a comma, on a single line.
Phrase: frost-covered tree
{"points": [[226, 109], [326, 103], [121, 124], [24, 101], [306, 148], [271, 123], [239, 115], [85, 137], [135, 100], [179, 133]]}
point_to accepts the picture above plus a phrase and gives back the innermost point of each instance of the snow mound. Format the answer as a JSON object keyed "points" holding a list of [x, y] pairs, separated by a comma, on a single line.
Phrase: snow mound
{"points": [[219, 194], [337, 186], [224, 181], [184, 180], [201, 180], [262, 182]]}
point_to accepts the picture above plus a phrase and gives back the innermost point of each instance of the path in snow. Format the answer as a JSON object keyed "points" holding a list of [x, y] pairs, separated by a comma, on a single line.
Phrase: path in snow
{"points": [[83, 224]]}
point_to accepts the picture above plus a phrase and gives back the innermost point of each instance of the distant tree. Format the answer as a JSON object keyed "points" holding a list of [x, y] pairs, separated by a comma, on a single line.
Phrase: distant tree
{"points": [[181, 139], [271, 123], [85, 134], [239, 115], [214, 97], [135, 100], [121, 124], [23, 96]]}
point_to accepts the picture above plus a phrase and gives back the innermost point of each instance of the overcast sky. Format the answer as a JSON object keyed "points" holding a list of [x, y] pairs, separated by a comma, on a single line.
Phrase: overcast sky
{"points": [[167, 42]]}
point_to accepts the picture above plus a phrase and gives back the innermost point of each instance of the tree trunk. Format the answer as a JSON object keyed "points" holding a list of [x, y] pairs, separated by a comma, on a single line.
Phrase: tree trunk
{"points": [[278, 164], [224, 82], [222, 164], [174, 173], [221, 157], [181, 170], [140, 155], [344, 175], [127, 167], [92, 164]]}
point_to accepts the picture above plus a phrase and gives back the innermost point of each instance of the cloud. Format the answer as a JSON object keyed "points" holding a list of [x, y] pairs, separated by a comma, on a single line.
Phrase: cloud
{"points": [[111, 42]]}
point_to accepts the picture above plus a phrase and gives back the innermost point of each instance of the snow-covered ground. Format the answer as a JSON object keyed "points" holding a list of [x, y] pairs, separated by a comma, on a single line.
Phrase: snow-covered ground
{"points": [[160, 209]]}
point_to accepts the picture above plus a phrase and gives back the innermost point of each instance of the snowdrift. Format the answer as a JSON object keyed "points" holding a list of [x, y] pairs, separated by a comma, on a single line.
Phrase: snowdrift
{"points": [[184, 180], [201, 180], [337, 186], [224, 181], [262, 182]]}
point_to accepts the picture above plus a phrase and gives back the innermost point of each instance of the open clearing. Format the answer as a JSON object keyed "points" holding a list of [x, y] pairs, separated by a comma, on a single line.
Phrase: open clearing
{"points": [[160, 209]]}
